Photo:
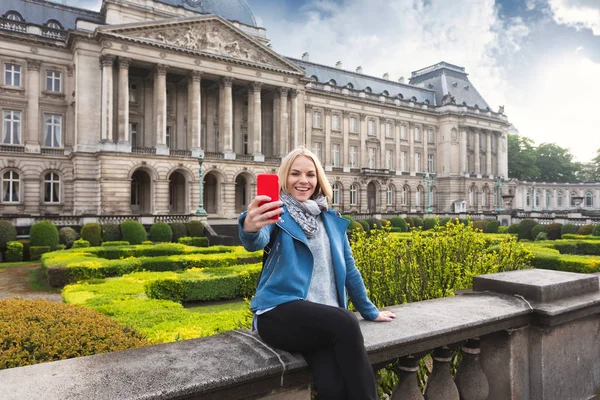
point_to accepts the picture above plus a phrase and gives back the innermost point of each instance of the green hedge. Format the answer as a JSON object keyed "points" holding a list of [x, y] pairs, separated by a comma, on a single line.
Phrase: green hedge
{"points": [[8, 233], [161, 232], [117, 243], [553, 260], [92, 232], [198, 241], [133, 232], [14, 251], [179, 230], [67, 236], [111, 233], [44, 233], [35, 252], [195, 228]]}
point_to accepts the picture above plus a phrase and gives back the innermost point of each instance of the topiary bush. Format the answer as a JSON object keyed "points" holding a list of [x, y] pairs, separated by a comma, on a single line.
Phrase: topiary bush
{"points": [[417, 222], [8, 233], [429, 223], [92, 232], [161, 232], [514, 228], [35, 252], [503, 229], [385, 222], [34, 331], [365, 225], [409, 222], [399, 222], [195, 228], [133, 232], [568, 228], [44, 233], [111, 233], [14, 251], [541, 236], [596, 230], [554, 231], [80, 243], [444, 221], [585, 230], [537, 230], [525, 229], [67, 236], [179, 229], [355, 225], [492, 227], [374, 223]]}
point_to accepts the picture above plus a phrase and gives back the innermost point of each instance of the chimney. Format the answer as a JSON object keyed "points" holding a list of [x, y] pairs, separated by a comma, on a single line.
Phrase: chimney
{"points": [[386, 76], [338, 64], [401, 79], [359, 69], [305, 57]]}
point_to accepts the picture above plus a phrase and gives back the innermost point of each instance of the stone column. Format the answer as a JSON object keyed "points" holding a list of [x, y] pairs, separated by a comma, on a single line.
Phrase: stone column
{"points": [[284, 132], [33, 139], [106, 125], [256, 126], [123, 127], [397, 128], [499, 154], [345, 151], [194, 120], [488, 153], [364, 153], [226, 118], [327, 129], [294, 122], [160, 109], [411, 149], [425, 138], [308, 126], [476, 155], [463, 152], [382, 130]]}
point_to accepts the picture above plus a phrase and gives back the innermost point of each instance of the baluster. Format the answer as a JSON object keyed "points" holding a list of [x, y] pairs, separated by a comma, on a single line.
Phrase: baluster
{"points": [[440, 384], [408, 386], [470, 379]]}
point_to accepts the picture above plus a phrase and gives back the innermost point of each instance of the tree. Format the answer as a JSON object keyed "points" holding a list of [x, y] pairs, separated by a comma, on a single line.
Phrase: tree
{"points": [[555, 164], [522, 158], [590, 172]]}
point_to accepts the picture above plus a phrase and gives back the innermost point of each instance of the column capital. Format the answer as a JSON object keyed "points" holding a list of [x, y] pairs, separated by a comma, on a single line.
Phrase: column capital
{"points": [[124, 62], [160, 69], [256, 86], [107, 60], [294, 93], [195, 76], [363, 116], [33, 65], [226, 81], [308, 107], [283, 91], [327, 111], [345, 113], [398, 122]]}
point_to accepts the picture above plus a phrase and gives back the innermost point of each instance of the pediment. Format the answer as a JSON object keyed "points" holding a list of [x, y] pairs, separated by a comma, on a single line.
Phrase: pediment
{"points": [[211, 36]]}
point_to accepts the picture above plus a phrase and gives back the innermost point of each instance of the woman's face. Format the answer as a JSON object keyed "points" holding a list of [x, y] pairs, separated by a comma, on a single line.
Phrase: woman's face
{"points": [[302, 178]]}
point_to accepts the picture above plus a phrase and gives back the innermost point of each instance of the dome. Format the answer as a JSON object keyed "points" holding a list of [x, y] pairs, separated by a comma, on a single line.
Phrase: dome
{"points": [[232, 10]]}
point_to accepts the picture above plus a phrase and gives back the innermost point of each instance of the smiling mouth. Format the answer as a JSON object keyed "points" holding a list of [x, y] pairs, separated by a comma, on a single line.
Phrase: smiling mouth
{"points": [[302, 189]]}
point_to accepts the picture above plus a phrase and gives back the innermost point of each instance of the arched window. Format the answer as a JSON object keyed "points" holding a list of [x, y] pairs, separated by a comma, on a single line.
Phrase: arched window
{"points": [[389, 195], [350, 86], [405, 195], [315, 78], [472, 196], [332, 82], [400, 96], [336, 194], [135, 190], [54, 24], [419, 196], [11, 184], [368, 89], [484, 194], [528, 198], [14, 16], [547, 199], [572, 196], [426, 102], [537, 198], [413, 99], [589, 199], [559, 199], [385, 93], [51, 188], [354, 195]]}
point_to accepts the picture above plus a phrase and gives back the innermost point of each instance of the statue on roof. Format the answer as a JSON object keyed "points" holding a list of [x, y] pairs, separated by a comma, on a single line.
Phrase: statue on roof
{"points": [[501, 110], [448, 99]]}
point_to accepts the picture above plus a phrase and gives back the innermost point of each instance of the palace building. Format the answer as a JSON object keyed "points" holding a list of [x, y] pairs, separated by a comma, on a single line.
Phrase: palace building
{"points": [[106, 113]]}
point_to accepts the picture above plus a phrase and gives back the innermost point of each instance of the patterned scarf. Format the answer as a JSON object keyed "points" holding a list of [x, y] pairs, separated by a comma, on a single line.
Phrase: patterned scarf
{"points": [[305, 213]]}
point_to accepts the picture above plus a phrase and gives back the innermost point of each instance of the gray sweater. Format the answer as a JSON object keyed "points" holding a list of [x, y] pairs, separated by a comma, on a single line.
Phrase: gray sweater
{"points": [[322, 282]]}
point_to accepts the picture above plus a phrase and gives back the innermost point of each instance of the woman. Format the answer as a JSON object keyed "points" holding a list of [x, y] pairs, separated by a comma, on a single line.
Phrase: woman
{"points": [[300, 303]]}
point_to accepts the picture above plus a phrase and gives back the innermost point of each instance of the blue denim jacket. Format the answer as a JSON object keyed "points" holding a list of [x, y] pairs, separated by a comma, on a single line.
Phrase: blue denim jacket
{"points": [[287, 272]]}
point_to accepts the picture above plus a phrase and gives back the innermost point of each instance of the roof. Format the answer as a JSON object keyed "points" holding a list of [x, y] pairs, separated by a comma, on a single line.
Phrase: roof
{"points": [[38, 12], [342, 78], [445, 78], [232, 10]]}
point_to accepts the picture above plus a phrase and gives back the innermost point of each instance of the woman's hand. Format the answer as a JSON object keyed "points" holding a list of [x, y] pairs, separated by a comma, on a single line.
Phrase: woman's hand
{"points": [[385, 316], [259, 216]]}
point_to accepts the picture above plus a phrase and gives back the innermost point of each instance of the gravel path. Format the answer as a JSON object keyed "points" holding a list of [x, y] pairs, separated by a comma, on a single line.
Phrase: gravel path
{"points": [[14, 283]]}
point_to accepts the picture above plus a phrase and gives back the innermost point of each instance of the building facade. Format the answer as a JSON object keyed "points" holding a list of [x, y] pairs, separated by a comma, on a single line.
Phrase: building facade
{"points": [[106, 113]]}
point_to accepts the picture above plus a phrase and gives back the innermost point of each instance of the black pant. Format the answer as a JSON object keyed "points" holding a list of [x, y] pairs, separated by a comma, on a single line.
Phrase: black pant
{"points": [[330, 340]]}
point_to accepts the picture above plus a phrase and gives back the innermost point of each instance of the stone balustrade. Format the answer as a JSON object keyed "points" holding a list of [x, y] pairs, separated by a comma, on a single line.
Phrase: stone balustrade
{"points": [[529, 334]]}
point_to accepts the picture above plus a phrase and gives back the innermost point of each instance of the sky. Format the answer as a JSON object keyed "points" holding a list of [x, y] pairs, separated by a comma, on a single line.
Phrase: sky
{"points": [[540, 59]]}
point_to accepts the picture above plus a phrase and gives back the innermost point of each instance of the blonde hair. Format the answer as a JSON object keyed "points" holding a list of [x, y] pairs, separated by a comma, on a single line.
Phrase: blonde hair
{"points": [[323, 186]]}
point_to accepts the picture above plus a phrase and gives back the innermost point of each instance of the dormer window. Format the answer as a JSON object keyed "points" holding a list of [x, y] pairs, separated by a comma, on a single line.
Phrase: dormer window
{"points": [[385, 93], [350, 86], [413, 99], [400, 96], [54, 24], [368, 90], [426, 102], [332, 82], [314, 78], [14, 16]]}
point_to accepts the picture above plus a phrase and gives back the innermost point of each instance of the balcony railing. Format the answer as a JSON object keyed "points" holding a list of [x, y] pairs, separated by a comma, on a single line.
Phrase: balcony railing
{"points": [[180, 153], [213, 156], [514, 332], [54, 33], [146, 151], [6, 148], [15, 26], [53, 151]]}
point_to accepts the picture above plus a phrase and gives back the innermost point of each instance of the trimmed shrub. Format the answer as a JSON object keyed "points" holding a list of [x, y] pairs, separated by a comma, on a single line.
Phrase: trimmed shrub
{"points": [[585, 230], [525, 228], [26, 245], [444, 221], [44, 233], [133, 232], [397, 222], [541, 236], [199, 241], [385, 222], [195, 228], [568, 228], [374, 223], [503, 229], [14, 251], [67, 236], [161, 232], [514, 228], [417, 222], [355, 225], [111, 233], [554, 231], [35, 252], [92, 232], [409, 222], [429, 223], [115, 244], [596, 230], [480, 224], [492, 227], [80, 243], [179, 229], [365, 225], [34, 331], [8, 233], [147, 242], [537, 230]]}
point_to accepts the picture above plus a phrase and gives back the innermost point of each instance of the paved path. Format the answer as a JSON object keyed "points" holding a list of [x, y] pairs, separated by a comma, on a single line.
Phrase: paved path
{"points": [[14, 283]]}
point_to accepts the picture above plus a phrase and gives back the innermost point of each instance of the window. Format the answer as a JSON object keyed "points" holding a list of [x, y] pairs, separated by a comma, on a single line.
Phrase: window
{"points": [[589, 199], [547, 193], [133, 93], [404, 195], [528, 198], [403, 160], [537, 198], [572, 196], [13, 16], [371, 127], [168, 138], [353, 124], [54, 24], [403, 132], [52, 130], [372, 157], [417, 134], [353, 156], [135, 191], [430, 163], [389, 195], [389, 159], [417, 162], [53, 81], [335, 122], [559, 199], [484, 197], [388, 130], [12, 75], [353, 195], [133, 134], [12, 127], [10, 187], [430, 135], [472, 196], [335, 155], [52, 188], [336, 194], [419, 196], [316, 119], [317, 149]]}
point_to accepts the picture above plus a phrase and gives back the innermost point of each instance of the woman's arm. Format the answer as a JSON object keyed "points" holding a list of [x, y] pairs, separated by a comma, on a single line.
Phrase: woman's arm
{"points": [[255, 224]]}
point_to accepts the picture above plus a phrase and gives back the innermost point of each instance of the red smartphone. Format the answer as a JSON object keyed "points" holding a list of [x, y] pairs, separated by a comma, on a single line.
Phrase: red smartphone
{"points": [[268, 185]]}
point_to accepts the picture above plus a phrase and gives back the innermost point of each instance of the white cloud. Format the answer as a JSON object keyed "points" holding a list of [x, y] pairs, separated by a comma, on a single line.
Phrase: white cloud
{"points": [[93, 5], [577, 13]]}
